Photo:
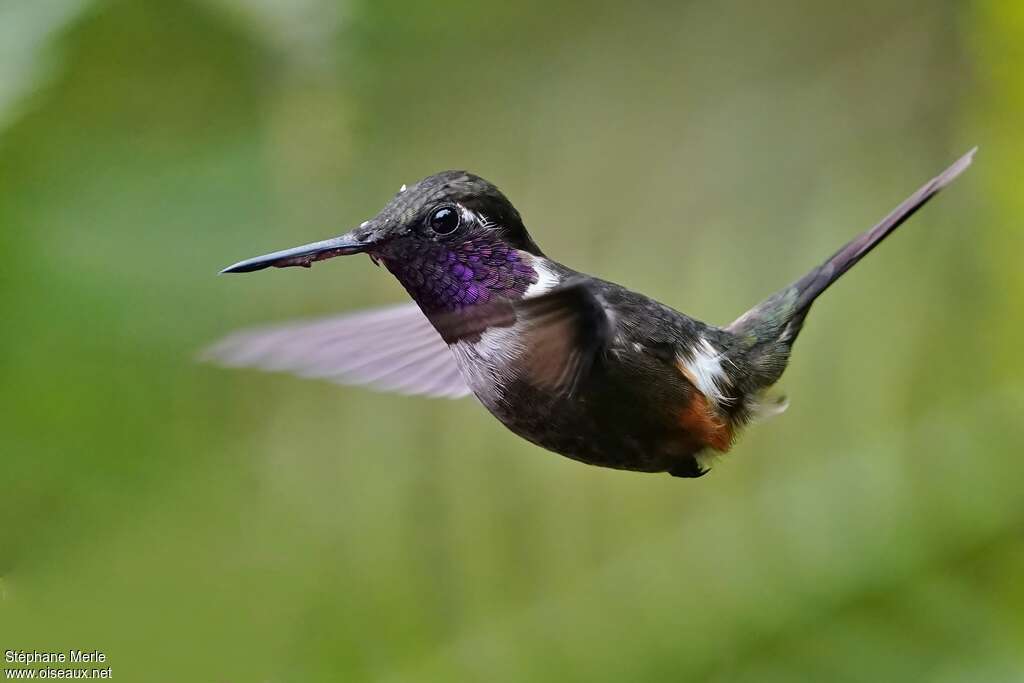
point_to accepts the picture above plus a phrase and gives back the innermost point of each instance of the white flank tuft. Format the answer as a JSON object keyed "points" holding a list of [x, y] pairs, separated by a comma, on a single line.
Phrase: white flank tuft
{"points": [[705, 370]]}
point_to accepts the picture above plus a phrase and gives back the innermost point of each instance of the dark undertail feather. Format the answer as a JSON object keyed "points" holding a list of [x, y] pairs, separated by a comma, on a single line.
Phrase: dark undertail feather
{"points": [[767, 331]]}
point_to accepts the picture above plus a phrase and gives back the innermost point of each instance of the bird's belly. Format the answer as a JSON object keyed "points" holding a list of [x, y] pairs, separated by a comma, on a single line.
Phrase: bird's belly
{"points": [[613, 420]]}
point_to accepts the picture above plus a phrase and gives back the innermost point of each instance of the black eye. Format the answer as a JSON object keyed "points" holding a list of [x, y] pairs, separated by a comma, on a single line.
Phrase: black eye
{"points": [[444, 221]]}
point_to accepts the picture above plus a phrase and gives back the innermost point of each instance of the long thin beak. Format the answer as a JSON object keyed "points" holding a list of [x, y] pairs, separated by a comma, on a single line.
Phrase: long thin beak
{"points": [[305, 255]]}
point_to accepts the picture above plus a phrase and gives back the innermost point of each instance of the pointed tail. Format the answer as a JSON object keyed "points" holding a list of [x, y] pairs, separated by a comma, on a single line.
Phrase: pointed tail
{"points": [[819, 279], [778, 319]]}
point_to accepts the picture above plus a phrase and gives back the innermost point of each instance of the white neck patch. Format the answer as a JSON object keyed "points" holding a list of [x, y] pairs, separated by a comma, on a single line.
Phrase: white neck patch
{"points": [[547, 278]]}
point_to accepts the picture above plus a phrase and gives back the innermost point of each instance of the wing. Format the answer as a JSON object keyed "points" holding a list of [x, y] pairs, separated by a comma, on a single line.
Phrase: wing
{"points": [[564, 332], [389, 349]]}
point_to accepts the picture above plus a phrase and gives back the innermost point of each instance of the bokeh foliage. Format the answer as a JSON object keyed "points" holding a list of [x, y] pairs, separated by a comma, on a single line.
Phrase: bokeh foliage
{"points": [[202, 524]]}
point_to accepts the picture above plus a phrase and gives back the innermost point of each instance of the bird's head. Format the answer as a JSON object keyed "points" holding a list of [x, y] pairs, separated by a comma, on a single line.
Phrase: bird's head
{"points": [[452, 239]]}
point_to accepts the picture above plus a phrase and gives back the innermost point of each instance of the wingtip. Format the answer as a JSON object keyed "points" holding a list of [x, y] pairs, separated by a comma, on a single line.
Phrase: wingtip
{"points": [[954, 170], [968, 158]]}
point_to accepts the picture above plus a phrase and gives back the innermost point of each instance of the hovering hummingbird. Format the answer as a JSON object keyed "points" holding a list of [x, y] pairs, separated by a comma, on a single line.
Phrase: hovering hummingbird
{"points": [[577, 365]]}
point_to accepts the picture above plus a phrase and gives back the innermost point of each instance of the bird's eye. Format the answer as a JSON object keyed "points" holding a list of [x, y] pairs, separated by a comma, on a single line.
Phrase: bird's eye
{"points": [[444, 221]]}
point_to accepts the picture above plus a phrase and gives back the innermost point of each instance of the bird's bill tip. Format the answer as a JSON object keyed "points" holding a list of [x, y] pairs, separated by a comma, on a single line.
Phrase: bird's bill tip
{"points": [[303, 256]]}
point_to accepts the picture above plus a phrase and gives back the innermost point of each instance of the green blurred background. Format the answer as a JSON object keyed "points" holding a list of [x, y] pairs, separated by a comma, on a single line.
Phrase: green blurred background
{"points": [[200, 524]]}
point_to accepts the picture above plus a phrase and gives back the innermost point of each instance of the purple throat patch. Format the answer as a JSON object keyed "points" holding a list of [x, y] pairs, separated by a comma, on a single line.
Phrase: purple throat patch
{"points": [[442, 277]]}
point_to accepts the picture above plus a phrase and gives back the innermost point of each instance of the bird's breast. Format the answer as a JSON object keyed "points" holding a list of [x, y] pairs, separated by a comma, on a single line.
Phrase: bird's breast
{"points": [[490, 363]]}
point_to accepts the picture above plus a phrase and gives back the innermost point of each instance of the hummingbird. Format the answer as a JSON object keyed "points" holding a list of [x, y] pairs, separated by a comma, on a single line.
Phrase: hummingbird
{"points": [[575, 364]]}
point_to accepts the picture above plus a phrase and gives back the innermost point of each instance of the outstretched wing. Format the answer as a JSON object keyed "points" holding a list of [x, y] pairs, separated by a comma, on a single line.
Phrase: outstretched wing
{"points": [[389, 349]]}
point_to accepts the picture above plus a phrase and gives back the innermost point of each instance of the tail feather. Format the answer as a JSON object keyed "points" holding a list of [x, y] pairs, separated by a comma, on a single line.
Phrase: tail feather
{"points": [[819, 279], [778, 313], [765, 333]]}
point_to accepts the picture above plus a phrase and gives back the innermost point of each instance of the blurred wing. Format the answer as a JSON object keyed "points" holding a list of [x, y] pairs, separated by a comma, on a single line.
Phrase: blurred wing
{"points": [[389, 349]]}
